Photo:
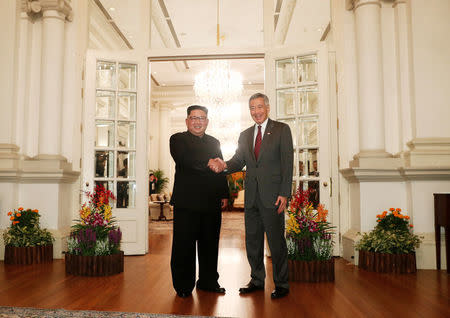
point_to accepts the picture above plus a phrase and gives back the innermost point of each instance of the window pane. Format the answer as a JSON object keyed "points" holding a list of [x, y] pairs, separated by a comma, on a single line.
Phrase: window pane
{"points": [[285, 102], [308, 101], [301, 162], [106, 75], [308, 133], [104, 167], [105, 104], [126, 135], [291, 123], [108, 185], [307, 69], [126, 194], [285, 72], [311, 156], [104, 133], [127, 76], [126, 162], [127, 106], [314, 192]]}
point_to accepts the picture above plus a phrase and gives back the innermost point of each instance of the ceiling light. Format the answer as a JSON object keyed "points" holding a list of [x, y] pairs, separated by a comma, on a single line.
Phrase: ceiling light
{"points": [[112, 9], [218, 84], [249, 83]]}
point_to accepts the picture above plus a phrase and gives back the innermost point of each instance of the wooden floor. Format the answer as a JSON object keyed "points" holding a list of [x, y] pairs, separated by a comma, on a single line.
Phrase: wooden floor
{"points": [[146, 286]]}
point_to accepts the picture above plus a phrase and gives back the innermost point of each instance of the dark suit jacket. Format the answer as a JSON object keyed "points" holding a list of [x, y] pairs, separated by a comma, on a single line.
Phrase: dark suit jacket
{"points": [[196, 187], [272, 173]]}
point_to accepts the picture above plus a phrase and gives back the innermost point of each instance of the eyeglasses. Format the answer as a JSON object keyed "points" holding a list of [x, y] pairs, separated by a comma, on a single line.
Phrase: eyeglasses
{"points": [[200, 119]]}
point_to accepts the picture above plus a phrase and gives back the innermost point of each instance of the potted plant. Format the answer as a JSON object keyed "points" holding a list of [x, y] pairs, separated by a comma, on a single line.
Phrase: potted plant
{"points": [[93, 247], [235, 184], [309, 241], [25, 242], [391, 246], [160, 180]]}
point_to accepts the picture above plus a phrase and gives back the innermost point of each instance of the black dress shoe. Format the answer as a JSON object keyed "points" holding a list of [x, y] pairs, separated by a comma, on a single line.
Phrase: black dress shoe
{"points": [[250, 288], [279, 292], [183, 294], [216, 289]]}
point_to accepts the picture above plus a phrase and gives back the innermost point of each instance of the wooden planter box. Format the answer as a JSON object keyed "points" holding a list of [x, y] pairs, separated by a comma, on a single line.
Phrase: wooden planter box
{"points": [[28, 255], [311, 271], [387, 263], [104, 265]]}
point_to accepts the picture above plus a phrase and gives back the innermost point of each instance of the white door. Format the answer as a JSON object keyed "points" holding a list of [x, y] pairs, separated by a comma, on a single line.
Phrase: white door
{"points": [[114, 139], [297, 83]]}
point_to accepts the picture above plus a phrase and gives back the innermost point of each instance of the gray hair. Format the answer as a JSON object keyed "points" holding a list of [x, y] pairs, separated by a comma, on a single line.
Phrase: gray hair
{"points": [[259, 95]]}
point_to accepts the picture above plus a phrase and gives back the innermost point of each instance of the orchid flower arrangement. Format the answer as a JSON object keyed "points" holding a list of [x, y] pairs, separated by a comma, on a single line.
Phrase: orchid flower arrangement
{"points": [[309, 234], [96, 232]]}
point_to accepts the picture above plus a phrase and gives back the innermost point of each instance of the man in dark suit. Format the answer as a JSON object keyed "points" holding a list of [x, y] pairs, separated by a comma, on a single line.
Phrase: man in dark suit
{"points": [[198, 197], [266, 150]]}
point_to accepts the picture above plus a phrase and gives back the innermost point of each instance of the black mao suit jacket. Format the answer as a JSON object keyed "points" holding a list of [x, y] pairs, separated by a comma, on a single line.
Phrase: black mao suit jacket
{"points": [[196, 187]]}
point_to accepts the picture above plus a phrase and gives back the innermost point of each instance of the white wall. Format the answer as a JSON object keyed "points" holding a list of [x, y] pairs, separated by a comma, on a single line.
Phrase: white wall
{"points": [[9, 40], [430, 24]]}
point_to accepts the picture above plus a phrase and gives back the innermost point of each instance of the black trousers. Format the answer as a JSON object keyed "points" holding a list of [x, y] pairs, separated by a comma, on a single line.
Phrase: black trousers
{"points": [[192, 230]]}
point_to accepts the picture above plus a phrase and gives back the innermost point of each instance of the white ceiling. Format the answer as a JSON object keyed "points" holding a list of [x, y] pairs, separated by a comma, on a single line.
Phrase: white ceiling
{"points": [[241, 25]]}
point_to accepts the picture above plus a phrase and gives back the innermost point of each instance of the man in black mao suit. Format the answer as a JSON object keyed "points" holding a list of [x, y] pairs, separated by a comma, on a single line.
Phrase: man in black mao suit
{"points": [[266, 150], [198, 196]]}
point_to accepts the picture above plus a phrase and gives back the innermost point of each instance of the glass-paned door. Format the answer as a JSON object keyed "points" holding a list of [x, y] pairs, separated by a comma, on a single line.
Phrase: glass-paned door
{"points": [[299, 86], [114, 143], [115, 130], [297, 92]]}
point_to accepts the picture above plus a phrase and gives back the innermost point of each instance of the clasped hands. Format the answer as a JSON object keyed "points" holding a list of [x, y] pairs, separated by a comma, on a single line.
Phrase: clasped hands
{"points": [[217, 165]]}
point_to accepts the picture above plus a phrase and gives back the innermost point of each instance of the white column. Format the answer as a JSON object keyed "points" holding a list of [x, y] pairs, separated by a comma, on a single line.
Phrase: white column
{"points": [[52, 67], [21, 87], [76, 40], [370, 78], [406, 119], [164, 135]]}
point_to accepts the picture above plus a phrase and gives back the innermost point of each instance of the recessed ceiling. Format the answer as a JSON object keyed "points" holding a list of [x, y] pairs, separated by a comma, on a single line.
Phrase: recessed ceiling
{"points": [[194, 25]]}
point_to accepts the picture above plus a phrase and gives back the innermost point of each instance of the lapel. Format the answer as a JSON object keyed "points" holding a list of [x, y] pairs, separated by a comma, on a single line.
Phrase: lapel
{"points": [[266, 139], [250, 143]]}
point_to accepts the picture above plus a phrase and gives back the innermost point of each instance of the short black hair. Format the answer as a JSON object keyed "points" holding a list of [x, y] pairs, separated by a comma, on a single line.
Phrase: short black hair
{"points": [[194, 107]]}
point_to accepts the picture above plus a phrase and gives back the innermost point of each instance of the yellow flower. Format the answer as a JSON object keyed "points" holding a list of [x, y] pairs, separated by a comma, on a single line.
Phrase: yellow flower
{"points": [[108, 213]]}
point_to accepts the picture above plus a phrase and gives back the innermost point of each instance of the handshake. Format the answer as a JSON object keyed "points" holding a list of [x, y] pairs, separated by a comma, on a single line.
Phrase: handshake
{"points": [[217, 165]]}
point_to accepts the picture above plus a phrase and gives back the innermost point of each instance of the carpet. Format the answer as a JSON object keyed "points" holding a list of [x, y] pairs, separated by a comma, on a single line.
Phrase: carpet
{"points": [[24, 312]]}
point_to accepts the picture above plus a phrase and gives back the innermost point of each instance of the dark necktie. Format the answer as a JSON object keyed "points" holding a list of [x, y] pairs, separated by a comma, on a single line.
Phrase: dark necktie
{"points": [[258, 142]]}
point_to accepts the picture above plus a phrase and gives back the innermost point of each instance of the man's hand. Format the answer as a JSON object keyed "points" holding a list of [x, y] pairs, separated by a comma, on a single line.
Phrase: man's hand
{"points": [[281, 203], [217, 165], [224, 204]]}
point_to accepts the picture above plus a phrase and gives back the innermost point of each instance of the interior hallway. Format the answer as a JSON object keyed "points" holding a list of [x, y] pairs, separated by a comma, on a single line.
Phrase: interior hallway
{"points": [[145, 286]]}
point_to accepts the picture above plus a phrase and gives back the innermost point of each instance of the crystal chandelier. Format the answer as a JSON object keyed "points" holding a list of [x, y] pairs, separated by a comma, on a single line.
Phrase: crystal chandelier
{"points": [[218, 85], [219, 88]]}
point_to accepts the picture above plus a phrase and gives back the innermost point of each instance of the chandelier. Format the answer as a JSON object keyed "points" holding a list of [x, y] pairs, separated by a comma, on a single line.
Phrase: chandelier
{"points": [[218, 85], [219, 88]]}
